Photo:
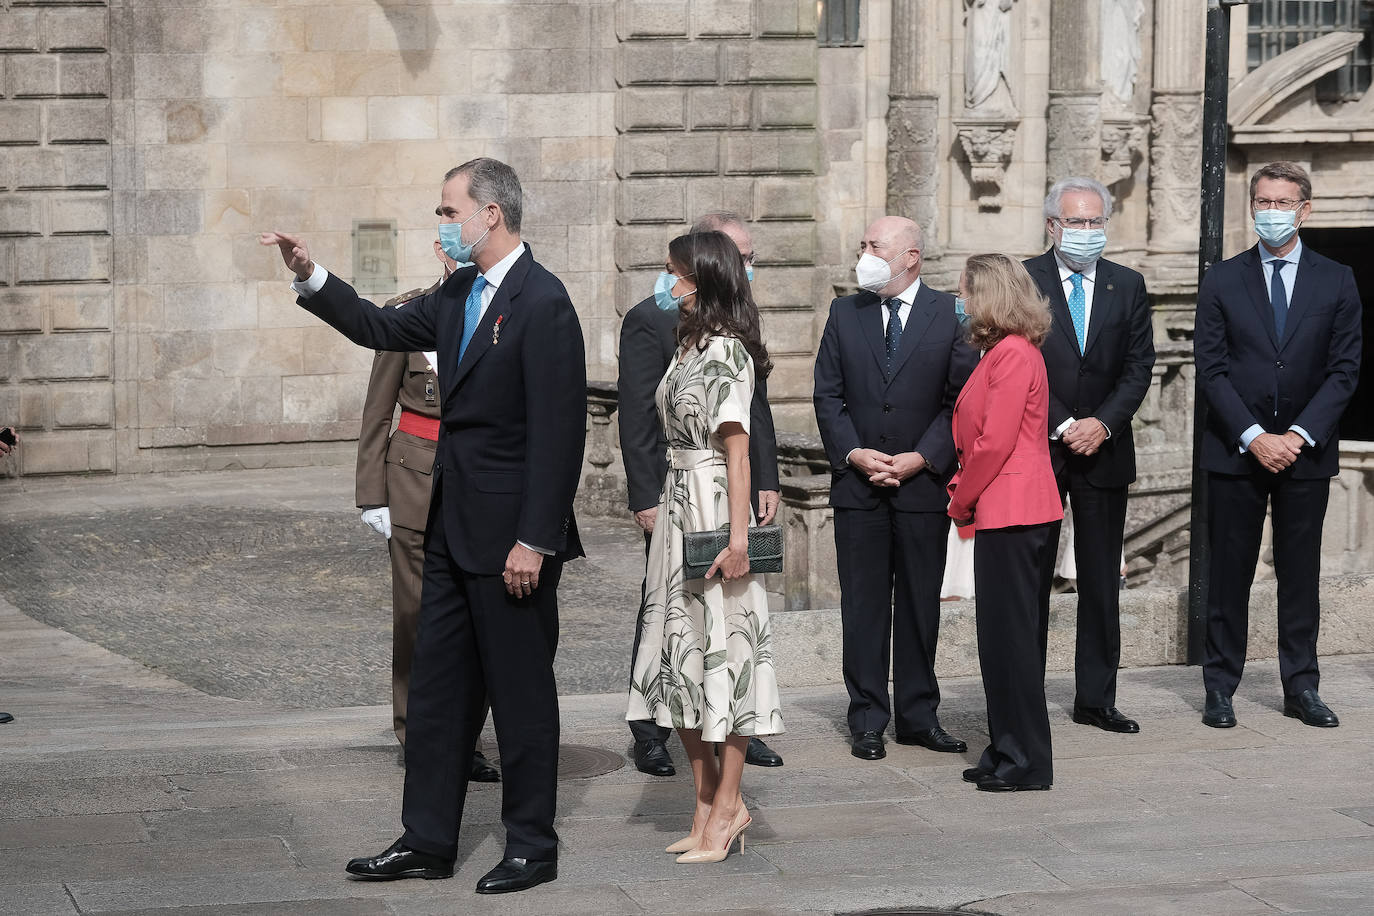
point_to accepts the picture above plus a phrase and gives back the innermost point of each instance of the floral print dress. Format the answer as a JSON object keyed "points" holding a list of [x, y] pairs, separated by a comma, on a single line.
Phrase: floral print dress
{"points": [[705, 657]]}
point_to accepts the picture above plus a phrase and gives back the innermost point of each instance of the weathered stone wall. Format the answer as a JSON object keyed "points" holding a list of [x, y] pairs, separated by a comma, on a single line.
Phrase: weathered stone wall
{"points": [[56, 298], [717, 109]]}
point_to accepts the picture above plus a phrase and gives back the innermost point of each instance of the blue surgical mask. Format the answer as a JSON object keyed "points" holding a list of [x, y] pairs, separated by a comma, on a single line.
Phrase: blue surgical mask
{"points": [[451, 238], [1082, 246], [1276, 227], [663, 292], [749, 272], [960, 310]]}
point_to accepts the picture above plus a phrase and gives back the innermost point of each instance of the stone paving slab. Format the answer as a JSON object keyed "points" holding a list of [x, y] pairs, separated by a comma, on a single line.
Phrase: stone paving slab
{"points": [[124, 790]]}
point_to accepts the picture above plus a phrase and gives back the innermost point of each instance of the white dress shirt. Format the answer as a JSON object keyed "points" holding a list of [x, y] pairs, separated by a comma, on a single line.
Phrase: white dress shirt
{"points": [[1289, 274]]}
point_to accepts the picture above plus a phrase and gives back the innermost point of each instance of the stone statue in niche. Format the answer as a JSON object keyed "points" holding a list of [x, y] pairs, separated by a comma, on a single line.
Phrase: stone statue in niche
{"points": [[1121, 49], [987, 56]]}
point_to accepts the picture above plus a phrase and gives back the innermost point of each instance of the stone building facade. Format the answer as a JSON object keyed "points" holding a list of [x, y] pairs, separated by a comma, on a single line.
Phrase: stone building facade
{"points": [[144, 143]]}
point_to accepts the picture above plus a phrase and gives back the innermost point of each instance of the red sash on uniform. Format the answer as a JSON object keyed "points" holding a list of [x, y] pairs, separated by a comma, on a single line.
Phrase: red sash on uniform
{"points": [[418, 425]]}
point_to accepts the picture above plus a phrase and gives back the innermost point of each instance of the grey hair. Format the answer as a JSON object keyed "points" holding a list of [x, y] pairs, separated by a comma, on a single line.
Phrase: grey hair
{"points": [[715, 220], [491, 181], [1054, 200]]}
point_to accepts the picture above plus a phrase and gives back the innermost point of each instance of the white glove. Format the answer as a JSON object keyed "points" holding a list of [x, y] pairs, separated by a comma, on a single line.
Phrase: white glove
{"points": [[379, 520]]}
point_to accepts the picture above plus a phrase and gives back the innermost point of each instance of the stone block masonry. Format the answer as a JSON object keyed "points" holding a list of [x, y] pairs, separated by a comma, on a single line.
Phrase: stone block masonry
{"points": [[716, 108], [56, 250]]}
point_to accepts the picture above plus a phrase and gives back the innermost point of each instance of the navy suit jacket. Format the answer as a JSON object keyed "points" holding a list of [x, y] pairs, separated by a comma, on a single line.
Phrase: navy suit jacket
{"points": [[514, 409], [648, 342], [1250, 375], [1110, 379], [858, 406]]}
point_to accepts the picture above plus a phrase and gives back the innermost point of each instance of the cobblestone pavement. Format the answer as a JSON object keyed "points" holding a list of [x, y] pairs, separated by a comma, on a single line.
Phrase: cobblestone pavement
{"points": [[125, 791], [272, 591]]}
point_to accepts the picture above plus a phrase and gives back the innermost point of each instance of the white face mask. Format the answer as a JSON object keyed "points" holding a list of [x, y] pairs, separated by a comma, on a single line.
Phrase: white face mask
{"points": [[874, 273]]}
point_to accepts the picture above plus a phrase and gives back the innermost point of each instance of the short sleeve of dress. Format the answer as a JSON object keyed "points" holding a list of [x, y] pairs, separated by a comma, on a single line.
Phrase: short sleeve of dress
{"points": [[729, 376]]}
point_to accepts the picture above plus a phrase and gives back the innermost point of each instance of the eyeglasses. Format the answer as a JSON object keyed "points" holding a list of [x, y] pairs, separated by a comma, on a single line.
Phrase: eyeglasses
{"points": [[1097, 222], [1283, 203], [749, 258]]}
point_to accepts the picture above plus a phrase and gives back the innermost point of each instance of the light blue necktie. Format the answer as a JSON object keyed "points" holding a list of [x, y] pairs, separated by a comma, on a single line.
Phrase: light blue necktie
{"points": [[472, 313], [1078, 310], [1278, 298]]}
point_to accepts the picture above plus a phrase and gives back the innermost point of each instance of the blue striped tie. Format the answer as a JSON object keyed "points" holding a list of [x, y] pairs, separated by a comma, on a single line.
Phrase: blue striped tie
{"points": [[472, 313]]}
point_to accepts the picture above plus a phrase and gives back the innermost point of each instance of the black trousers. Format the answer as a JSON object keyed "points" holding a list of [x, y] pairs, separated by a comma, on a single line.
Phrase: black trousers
{"points": [[1099, 526], [890, 567], [476, 642], [1007, 567], [644, 729], [1235, 510]]}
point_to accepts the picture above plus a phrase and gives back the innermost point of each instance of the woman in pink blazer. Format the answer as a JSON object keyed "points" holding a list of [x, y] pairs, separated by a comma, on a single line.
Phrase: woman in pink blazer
{"points": [[1005, 489]]}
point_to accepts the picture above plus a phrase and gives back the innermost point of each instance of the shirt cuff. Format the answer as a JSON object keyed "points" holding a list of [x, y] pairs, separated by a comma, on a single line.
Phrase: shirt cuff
{"points": [[1302, 432], [1063, 428], [311, 284], [1250, 435], [1107, 429], [546, 552], [848, 454]]}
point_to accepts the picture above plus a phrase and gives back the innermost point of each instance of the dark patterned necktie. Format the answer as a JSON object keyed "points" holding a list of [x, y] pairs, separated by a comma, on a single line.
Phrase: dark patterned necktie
{"points": [[894, 329], [1278, 298]]}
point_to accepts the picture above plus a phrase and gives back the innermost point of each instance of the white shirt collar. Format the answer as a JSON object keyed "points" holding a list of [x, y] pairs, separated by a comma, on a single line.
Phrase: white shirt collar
{"points": [[1088, 273], [502, 267], [1292, 257], [908, 295]]}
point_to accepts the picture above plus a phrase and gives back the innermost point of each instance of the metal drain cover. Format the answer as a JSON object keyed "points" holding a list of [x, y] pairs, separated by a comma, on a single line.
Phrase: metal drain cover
{"points": [[578, 761]]}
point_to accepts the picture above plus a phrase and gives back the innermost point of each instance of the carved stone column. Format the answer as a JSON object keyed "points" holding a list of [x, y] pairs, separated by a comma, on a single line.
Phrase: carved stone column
{"points": [[1176, 128], [1075, 110], [913, 128]]}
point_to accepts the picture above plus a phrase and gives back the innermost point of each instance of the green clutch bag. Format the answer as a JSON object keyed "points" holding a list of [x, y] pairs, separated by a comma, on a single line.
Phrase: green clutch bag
{"points": [[700, 549]]}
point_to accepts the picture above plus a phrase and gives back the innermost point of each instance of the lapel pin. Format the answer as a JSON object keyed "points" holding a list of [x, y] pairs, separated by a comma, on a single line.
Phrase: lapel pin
{"points": [[496, 330], [1109, 287]]}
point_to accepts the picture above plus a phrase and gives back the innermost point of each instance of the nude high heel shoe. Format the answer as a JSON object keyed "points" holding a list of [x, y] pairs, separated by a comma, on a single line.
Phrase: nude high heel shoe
{"points": [[685, 844], [737, 828]]}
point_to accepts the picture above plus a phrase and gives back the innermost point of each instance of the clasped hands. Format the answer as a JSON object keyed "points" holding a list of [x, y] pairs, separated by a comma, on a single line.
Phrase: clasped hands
{"points": [[1276, 452], [1085, 436], [886, 470]]}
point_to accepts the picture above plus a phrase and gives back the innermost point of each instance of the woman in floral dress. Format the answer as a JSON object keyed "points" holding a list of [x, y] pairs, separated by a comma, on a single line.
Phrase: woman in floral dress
{"points": [[705, 659]]}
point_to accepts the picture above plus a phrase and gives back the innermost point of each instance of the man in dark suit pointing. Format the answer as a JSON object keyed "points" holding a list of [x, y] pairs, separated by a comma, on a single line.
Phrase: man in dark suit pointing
{"points": [[1098, 355], [891, 363], [509, 454], [1277, 344], [648, 340]]}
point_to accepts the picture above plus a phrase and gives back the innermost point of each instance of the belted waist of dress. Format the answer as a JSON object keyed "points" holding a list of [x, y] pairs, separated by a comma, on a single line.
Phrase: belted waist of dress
{"points": [[689, 459]]}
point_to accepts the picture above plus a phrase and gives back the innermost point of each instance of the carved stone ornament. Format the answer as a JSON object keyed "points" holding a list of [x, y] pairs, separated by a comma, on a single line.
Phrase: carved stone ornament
{"points": [[1123, 147], [987, 145]]}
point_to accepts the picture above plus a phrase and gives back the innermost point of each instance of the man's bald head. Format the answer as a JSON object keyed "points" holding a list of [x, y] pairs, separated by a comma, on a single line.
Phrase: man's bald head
{"points": [[895, 240]]}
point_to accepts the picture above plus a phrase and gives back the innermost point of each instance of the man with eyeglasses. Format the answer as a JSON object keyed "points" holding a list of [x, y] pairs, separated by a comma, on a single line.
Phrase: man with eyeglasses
{"points": [[648, 340], [1277, 344], [1099, 355]]}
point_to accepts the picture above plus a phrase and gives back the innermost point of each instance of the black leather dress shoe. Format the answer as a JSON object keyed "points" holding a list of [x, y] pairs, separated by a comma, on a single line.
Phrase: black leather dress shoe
{"points": [[868, 746], [1217, 711], [975, 774], [516, 875], [651, 757], [1309, 707], [5, 717], [1107, 718], [991, 783], [758, 754], [400, 862], [483, 770], [937, 739]]}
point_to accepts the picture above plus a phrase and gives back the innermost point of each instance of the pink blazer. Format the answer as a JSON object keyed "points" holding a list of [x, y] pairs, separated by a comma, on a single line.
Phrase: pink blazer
{"points": [[1001, 437]]}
